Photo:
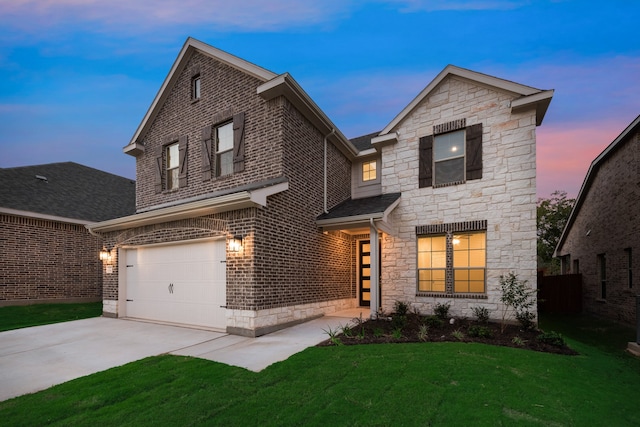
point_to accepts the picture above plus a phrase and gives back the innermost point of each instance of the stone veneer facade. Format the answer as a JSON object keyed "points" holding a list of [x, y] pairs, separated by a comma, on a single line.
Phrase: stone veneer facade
{"points": [[504, 198], [607, 224]]}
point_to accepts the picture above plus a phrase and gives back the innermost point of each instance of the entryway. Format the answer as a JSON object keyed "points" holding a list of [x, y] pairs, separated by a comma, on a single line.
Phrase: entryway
{"points": [[364, 272]]}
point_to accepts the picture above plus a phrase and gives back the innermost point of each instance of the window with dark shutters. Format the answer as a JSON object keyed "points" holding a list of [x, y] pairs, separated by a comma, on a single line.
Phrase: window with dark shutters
{"points": [[182, 175], [472, 157]]}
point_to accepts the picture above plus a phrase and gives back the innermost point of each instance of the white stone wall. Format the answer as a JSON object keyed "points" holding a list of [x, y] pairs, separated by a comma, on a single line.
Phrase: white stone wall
{"points": [[505, 196]]}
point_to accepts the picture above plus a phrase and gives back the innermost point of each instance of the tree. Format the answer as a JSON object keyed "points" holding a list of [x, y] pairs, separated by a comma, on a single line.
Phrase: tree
{"points": [[551, 217]]}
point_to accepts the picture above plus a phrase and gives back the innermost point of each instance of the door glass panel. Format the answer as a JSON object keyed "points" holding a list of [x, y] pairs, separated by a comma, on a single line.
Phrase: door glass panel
{"points": [[366, 272], [366, 260], [366, 247], [366, 296]]}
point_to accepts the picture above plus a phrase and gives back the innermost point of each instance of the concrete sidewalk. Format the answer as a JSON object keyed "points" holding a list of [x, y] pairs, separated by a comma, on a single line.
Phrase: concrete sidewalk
{"points": [[33, 359]]}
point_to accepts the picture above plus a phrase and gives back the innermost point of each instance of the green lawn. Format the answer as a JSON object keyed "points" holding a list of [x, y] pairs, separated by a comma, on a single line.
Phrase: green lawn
{"points": [[393, 384], [15, 317]]}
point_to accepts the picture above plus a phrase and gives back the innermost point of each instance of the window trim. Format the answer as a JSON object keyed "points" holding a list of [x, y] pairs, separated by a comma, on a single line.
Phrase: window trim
{"points": [[168, 169], [629, 268], [602, 276], [196, 87], [217, 153], [376, 178]]}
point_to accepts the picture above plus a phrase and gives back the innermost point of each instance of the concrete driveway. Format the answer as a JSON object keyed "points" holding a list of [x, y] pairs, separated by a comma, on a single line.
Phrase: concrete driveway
{"points": [[33, 359]]}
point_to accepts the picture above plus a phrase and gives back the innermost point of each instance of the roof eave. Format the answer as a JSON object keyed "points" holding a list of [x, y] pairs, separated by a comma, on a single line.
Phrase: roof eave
{"points": [[540, 101], [285, 85]]}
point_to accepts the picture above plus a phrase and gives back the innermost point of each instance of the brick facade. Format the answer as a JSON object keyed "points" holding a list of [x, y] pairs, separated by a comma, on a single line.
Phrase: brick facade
{"points": [[288, 269], [47, 261], [504, 198], [608, 224]]}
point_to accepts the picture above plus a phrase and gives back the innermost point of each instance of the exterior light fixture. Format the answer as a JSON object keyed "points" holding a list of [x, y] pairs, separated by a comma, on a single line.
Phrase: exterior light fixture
{"points": [[104, 254], [235, 244]]}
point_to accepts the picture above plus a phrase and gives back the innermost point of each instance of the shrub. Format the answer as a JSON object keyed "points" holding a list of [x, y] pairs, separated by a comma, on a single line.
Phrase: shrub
{"points": [[519, 341], [398, 322], [434, 321], [481, 313], [516, 298], [457, 334], [401, 308], [479, 331], [526, 320], [552, 338], [423, 333], [397, 334], [442, 310]]}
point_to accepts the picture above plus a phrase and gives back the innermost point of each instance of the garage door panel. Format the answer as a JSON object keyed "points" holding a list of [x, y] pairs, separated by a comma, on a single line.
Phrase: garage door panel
{"points": [[183, 283]]}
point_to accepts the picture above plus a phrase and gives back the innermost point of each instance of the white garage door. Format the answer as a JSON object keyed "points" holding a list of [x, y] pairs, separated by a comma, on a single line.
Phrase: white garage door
{"points": [[184, 283]]}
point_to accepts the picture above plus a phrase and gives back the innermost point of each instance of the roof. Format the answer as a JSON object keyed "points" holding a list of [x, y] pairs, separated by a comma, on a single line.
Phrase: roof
{"points": [[591, 175], [359, 212], [66, 190], [273, 85], [250, 195], [529, 97], [363, 142]]}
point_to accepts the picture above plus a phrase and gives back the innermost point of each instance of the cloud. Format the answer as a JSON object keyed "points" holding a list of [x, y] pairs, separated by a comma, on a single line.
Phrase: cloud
{"points": [[35, 16]]}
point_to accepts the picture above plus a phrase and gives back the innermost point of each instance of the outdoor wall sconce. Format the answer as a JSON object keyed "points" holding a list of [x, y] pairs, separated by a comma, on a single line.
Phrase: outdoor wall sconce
{"points": [[105, 255], [235, 244]]}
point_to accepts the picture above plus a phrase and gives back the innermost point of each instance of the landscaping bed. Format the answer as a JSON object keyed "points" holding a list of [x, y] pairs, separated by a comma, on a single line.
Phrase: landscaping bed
{"points": [[412, 327]]}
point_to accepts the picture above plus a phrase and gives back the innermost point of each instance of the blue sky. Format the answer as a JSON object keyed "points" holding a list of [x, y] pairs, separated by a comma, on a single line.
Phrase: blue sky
{"points": [[77, 76]]}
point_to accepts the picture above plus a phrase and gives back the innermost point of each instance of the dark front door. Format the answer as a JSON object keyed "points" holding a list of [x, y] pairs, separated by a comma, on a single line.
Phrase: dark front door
{"points": [[364, 272]]}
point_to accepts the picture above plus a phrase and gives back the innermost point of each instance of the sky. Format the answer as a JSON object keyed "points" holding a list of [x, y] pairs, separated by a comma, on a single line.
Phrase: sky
{"points": [[77, 76]]}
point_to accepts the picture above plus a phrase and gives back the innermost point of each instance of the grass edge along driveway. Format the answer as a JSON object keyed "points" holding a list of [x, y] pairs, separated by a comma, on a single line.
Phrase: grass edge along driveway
{"points": [[392, 384]]}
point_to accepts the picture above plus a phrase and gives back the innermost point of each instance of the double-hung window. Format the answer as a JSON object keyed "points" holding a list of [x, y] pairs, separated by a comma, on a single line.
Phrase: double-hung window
{"points": [[195, 87], [448, 157], [173, 166], [369, 171], [224, 149]]}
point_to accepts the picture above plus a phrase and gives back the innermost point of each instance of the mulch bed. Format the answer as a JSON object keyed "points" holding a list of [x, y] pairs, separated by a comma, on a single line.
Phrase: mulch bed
{"points": [[386, 330]]}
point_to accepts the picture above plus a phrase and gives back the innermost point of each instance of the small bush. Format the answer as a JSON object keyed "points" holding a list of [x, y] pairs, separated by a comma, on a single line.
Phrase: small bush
{"points": [[397, 334], [401, 308], [442, 310], [552, 338], [481, 314], [398, 322], [458, 334], [423, 333], [378, 332], [434, 322], [526, 320], [479, 331], [518, 341]]}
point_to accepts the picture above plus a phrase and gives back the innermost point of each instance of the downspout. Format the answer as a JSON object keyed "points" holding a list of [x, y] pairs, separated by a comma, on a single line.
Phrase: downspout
{"points": [[333, 131]]}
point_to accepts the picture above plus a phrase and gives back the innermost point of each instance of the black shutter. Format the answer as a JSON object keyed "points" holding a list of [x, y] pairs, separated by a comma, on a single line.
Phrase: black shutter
{"points": [[474, 152], [158, 171], [238, 142], [206, 153], [182, 159], [425, 173]]}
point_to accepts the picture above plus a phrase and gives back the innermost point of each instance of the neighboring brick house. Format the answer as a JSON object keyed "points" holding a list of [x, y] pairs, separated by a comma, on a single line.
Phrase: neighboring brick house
{"points": [[600, 239], [254, 211], [47, 253]]}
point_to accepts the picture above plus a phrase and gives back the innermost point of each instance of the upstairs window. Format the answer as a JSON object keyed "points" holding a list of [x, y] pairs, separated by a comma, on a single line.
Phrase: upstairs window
{"points": [[448, 158], [369, 171], [224, 149], [195, 87], [629, 268], [602, 275], [173, 166], [451, 155]]}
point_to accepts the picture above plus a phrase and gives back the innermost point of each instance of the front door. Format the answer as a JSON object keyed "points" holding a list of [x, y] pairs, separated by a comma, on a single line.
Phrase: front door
{"points": [[364, 272]]}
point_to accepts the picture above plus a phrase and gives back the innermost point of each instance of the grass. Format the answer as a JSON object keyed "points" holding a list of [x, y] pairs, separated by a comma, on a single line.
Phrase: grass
{"points": [[16, 317], [387, 384]]}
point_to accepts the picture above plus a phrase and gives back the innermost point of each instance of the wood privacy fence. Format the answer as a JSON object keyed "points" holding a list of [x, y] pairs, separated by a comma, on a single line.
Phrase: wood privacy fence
{"points": [[560, 294]]}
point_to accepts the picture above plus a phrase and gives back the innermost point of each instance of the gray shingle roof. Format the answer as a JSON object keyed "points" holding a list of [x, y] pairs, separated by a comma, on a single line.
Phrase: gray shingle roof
{"points": [[365, 206], [67, 190], [363, 142]]}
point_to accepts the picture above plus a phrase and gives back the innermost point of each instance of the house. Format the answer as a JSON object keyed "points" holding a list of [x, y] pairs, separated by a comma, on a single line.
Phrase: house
{"points": [[47, 253], [254, 212], [601, 235]]}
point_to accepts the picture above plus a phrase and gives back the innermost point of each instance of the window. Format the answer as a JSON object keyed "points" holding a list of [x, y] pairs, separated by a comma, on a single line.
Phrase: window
{"points": [[576, 266], [469, 251], [448, 158], [452, 263], [451, 155], [369, 172], [602, 267], [195, 87], [224, 149], [173, 166], [629, 268], [432, 263]]}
